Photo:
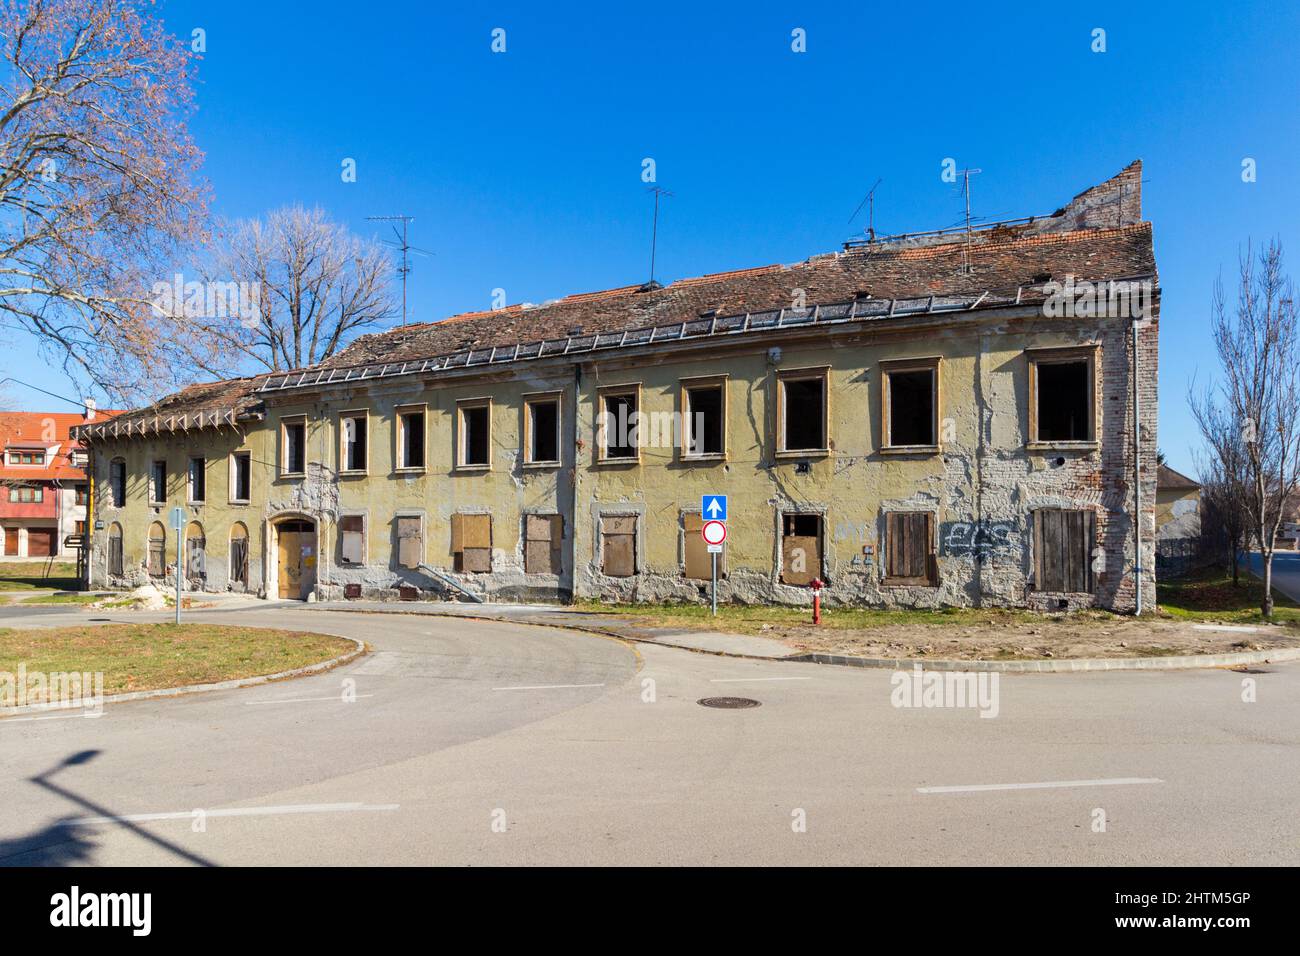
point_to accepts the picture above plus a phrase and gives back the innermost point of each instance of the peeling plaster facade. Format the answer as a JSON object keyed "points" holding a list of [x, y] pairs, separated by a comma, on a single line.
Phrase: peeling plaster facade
{"points": [[981, 483]]}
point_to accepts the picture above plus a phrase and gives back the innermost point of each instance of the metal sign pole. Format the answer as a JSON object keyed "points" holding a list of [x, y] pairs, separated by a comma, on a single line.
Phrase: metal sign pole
{"points": [[180, 547], [714, 556]]}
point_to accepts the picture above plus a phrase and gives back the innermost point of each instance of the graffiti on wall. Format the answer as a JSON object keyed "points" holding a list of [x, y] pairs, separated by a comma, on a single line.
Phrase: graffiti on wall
{"points": [[976, 538]]}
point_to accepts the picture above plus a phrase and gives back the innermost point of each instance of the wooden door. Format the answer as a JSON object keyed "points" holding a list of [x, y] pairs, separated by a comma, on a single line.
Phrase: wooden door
{"points": [[296, 553], [11, 540]]}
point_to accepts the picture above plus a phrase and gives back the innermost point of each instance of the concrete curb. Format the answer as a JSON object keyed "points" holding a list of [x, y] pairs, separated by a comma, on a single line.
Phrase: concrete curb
{"points": [[1062, 666], [1040, 666], [233, 684]]}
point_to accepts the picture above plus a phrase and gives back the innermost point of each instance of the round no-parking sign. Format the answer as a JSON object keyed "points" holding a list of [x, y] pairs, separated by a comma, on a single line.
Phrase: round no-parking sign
{"points": [[713, 532]]}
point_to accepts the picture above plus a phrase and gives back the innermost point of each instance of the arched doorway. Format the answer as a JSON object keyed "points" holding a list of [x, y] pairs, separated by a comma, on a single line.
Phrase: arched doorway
{"points": [[115, 562], [296, 558], [196, 555], [157, 560], [238, 557]]}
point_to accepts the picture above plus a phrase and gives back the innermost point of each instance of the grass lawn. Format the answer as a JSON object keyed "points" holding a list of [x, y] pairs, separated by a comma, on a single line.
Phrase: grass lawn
{"points": [[27, 576], [152, 656], [64, 597], [1209, 595]]}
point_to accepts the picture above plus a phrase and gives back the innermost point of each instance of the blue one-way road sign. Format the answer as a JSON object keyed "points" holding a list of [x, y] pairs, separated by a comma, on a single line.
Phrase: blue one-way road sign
{"points": [[714, 507]]}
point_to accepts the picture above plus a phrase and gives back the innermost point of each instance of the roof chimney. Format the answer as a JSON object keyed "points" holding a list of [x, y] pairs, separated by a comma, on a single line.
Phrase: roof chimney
{"points": [[89, 413]]}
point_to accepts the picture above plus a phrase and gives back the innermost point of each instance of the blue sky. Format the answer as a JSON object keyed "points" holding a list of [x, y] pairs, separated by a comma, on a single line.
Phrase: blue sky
{"points": [[522, 169]]}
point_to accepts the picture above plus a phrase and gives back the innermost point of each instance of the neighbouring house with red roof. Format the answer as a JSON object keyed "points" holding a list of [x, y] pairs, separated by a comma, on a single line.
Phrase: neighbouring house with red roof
{"points": [[44, 490]]}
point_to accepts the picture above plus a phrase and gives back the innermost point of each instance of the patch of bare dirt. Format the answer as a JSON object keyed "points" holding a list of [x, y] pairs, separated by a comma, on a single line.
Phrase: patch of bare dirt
{"points": [[1059, 638]]}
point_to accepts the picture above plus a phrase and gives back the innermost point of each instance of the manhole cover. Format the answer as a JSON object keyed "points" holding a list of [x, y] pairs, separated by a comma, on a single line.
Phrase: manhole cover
{"points": [[728, 703]]}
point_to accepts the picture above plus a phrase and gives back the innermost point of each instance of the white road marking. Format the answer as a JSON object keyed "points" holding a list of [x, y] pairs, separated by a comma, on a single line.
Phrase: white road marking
{"points": [[548, 686], [232, 812], [1224, 627], [19, 720], [305, 700], [746, 680], [1112, 782]]}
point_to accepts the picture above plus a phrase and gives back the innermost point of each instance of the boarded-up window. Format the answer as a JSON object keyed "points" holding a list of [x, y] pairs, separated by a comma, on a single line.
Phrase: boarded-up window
{"points": [[543, 538], [1063, 542], [471, 543], [115, 550], [697, 562], [196, 559], [157, 550], [352, 540], [618, 545], [410, 541], [801, 549], [909, 548], [238, 556]]}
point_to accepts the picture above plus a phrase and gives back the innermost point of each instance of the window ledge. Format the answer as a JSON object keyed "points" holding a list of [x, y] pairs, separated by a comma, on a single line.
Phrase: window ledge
{"points": [[240, 501], [353, 472], [1063, 445], [538, 466], [635, 460], [911, 449], [293, 474], [472, 469], [798, 453], [410, 470], [705, 459]]}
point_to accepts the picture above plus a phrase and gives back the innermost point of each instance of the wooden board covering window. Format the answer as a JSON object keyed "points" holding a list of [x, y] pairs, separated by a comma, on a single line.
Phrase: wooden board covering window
{"points": [[801, 553], [410, 541], [698, 562], [352, 539], [1063, 542], [618, 545], [115, 561], [909, 547], [543, 535], [471, 542]]}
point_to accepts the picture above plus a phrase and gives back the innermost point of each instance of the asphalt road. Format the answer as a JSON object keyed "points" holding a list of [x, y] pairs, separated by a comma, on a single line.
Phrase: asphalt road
{"points": [[1286, 571], [474, 742]]}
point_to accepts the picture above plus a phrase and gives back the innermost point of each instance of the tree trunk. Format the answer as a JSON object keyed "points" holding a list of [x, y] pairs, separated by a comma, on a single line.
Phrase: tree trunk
{"points": [[1236, 565], [1267, 607]]}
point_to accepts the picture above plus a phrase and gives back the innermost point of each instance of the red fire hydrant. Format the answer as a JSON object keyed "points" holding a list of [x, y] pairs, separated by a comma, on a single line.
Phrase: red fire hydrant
{"points": [[817, 585]]}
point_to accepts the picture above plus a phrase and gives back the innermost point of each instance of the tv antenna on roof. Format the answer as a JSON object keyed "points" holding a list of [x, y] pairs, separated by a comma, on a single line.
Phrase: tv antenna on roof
{"points": [[966, 174], [654, 232], [870, 202], [404, 270]]}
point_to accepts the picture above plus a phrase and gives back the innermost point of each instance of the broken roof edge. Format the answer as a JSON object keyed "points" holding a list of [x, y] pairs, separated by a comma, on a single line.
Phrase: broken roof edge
{"points": [[772, 320]]}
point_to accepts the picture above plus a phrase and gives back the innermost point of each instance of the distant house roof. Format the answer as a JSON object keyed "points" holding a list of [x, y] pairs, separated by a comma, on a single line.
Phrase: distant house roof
{"points": [[34, 430], [1169, 480]]}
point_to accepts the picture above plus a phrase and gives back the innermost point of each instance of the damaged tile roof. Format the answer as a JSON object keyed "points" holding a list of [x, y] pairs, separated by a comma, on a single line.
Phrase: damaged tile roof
{"points": [[198, 405]]}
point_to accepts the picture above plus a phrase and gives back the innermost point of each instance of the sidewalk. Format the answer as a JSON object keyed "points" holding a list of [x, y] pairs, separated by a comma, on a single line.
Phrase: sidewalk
{"points": [[740, 645]]}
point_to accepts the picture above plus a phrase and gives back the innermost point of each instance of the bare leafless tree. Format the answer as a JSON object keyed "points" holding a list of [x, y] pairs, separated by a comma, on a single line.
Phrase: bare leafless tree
{"points": [[318, 285], [97, 186], [1224, 521], [1255, 403]]}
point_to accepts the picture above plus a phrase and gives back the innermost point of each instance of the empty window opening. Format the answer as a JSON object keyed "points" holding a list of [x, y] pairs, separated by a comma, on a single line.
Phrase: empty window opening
{"points": [[1063, 543], [411, 440], [801, 548], [909, 548], [198, 481], [352, 541], [410, 540], [1064, 398], [543, 540], [543, 431], [803, 414], [354, 443], [242, 477], [620, 426], [295, 448], [911, 407], [618, 545], [704, 420], [471, 543], [158, 481], [117, 482], [475, 435]]}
